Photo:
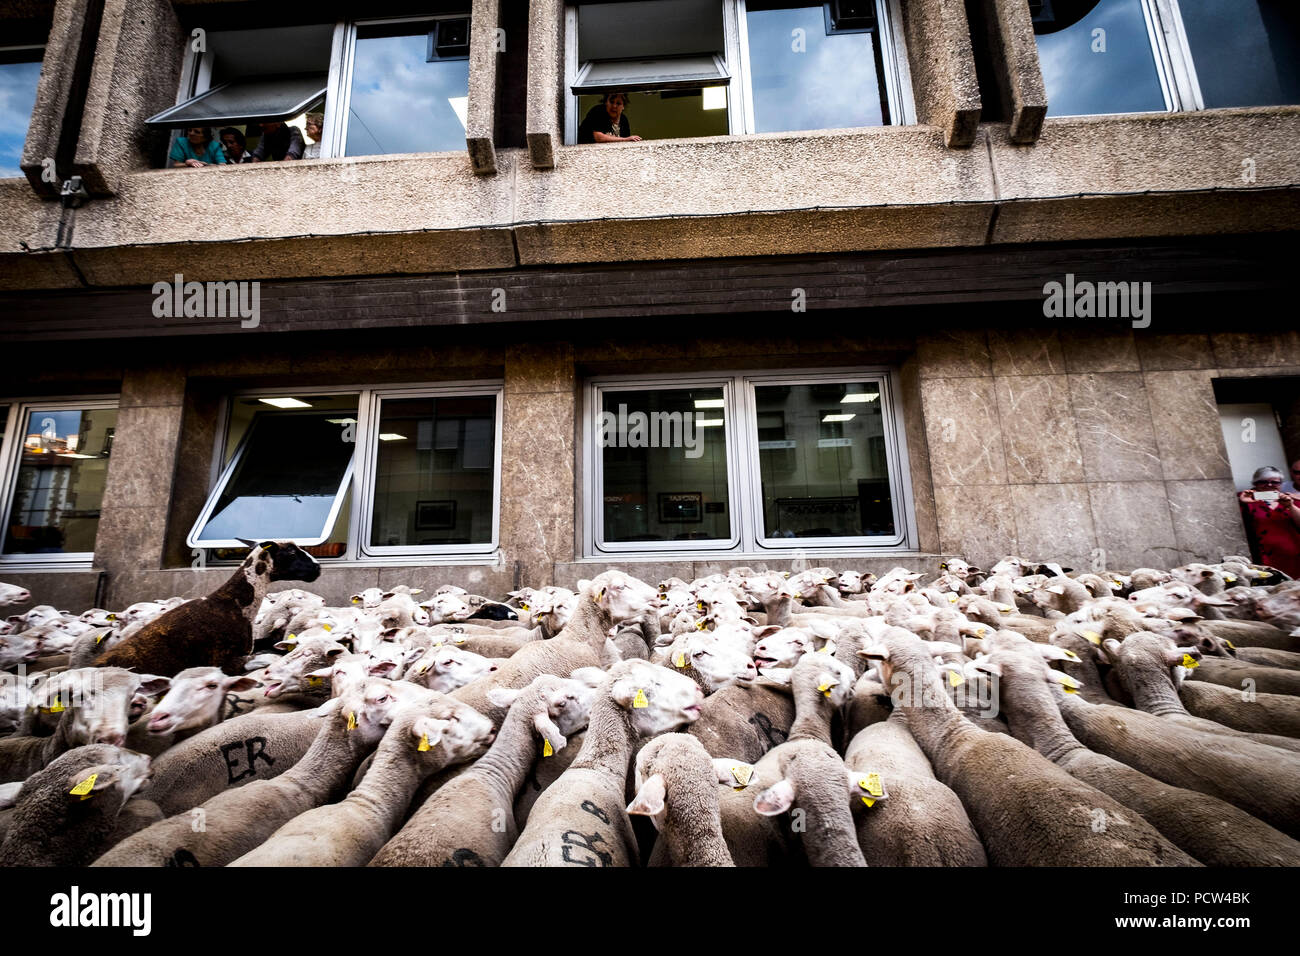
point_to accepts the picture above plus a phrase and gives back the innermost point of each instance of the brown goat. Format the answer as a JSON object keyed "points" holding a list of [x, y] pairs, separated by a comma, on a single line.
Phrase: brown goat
{"points": [[217, 630]]}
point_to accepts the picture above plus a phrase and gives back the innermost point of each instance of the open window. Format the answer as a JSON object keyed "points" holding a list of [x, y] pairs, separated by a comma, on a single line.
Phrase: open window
{"points": [[20, 70], [352, 88], [712, 67]]}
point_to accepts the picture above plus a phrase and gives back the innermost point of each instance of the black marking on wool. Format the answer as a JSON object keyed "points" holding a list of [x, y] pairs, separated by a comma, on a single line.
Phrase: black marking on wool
{"points": [[595, 811], [771, 733], [182, 857], [256, 750], [464, 857], [573, 838]]}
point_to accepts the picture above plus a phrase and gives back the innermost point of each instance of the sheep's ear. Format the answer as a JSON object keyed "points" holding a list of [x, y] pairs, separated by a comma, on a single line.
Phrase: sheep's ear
{"points": [[87, 782], [9, 794], [628, 693], [503, 696], [236, 684], [1183, 657], [151, 684], [1109, 650], [775, 676], [767, 631], [1050, 652], [775, 800], [734, 773], [329, 708], [649, 800], [874, 652], [381, 668], [1065, 680], [591, 676], [549, 733], [983, 665], [428, 731]]}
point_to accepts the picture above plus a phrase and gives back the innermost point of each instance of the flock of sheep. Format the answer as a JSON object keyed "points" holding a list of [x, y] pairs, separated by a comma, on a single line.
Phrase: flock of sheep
{"points": [[1021, 716]]}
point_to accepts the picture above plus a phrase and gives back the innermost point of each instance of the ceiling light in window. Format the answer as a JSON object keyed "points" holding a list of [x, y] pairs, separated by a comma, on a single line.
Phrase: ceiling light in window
{"points": [[707, 422], [460, 106], [715, 97], [68, 454], [341, 421], [839, 418], [391, 436], [284, 402], [710, 402], [860, 397]]}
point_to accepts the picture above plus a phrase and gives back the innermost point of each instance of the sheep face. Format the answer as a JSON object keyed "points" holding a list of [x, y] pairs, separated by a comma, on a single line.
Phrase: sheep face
{"points": [[370, 704], [13, 594], [465, 733], [783, 648], [100, 701], [569, 704], [717, 663], [194, 699], [289, 673], [289, 562], [118, 775], [17, 648], [657, 699], [621, 596], [446, 668]]}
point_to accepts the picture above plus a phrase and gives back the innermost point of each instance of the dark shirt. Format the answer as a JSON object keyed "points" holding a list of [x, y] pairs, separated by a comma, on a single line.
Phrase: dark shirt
{"points": [[285, 141], [597, 121]]}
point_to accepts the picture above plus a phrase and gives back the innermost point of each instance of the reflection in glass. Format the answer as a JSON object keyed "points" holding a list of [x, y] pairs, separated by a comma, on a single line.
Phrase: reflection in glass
{"points": [[664, 454], [822, 459], [1096, 57], [19, 71], [435, 471], [401, 101], [1246, 52], [833, 82], [60, 484], [289, 473]]}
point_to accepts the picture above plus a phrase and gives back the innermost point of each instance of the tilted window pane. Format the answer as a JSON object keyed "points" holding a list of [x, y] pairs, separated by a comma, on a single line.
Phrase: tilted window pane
{"points": [[1246, 52], [401, 101], [60, 483], [289, 476], [435, 471], [822, 458], [19, 72], [664, 455], [804, 79], [1096, 57]]}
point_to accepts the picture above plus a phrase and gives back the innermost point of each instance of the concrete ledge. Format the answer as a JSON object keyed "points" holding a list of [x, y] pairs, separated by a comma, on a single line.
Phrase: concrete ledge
{"points": [[483, 61], [1014, 51], [68, 52], [545, 79], [943, 68]]}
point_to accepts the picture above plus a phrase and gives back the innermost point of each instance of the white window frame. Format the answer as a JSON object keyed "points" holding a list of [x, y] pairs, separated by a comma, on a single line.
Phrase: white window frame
{"points": [[744, 477], [364, 463], [740, 99], [10, 464], [196, 78]]}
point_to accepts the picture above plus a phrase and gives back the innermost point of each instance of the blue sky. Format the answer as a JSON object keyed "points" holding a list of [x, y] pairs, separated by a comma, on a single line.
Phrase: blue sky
{"points": [[400, 103], [17, 96]]}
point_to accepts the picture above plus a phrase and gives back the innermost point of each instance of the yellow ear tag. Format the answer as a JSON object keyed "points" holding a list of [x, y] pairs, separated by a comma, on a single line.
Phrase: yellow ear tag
{"points": [[701, 624], [1189, 661], [458, 640], [1231, 646], [112, 617], [523, 607], [424, 743], [313, 681], [955, 679], [1092, 637], [57, 707], [83, 789], [327, 627], [1005, 608], [639, 700], [742, 773], [352, 720], [422, 668], [356, 600], [547, 749], [1229, 578], [99, 638], [952, 598], [680, 659], [873, 785], [868, 801], [1070, 655], [825, 688], [292, 637], [824, 649], [699, 605], [1070, 690]]}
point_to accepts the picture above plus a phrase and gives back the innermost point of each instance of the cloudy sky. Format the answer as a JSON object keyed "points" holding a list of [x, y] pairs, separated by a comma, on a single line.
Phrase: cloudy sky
{"points": [[17, 95]]}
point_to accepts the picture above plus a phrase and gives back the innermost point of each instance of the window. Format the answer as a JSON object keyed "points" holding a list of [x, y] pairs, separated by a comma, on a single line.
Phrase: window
{"points": [[421, 462], [20, 69], [1123, 56], [356, 88], [712, 67], [55, 466], [744, 463]]}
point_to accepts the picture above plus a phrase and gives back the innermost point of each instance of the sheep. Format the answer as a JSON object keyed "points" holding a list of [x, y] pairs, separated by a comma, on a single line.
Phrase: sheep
{"points": [[744, 720], [923, 822], [580, 819], [444, 668], [1252, 634], [236, 821], [13, 594], [677, 788], [1262, 780], [1269, 657], [610, 598], [216, 630], [422, 740], [15, 649], [469, 821], [1264, 678], [196, 699], [709, 661], [1026, 810], [293, 673], [68, 812], [1146, 664], [1214, 832], [93, 707]]}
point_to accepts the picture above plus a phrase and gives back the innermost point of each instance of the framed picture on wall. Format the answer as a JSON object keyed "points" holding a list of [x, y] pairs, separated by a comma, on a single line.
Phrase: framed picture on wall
{"points": [[681, 507], [435, 515]]}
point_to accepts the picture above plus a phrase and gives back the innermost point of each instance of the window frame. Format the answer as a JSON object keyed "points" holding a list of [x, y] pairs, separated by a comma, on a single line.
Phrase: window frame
{"points": [[740, 103], [10, 465], [10, 48], [744, 475], [196, 78], [364, 461]]}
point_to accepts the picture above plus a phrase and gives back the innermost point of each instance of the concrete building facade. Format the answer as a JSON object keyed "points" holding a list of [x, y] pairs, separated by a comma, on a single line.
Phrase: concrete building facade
{"points": [[545, 277]]}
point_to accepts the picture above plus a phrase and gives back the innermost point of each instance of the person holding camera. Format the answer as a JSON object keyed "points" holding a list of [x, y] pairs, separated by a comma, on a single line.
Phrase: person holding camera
{"points": [[1272, 518]]}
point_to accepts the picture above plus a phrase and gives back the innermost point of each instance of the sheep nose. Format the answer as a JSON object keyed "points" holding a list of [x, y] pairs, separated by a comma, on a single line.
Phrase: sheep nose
{"points": [[116, 739]]}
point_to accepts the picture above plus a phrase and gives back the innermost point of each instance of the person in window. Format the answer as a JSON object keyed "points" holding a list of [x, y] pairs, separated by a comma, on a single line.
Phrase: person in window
{"points": [[236, 147], [1273, 521], [197, 148], [605, 122], [278, 142], [315, 127]]}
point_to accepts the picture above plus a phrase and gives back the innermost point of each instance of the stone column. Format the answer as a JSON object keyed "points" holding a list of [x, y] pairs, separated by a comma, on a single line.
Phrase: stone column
{"points": [[537, 449]]}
